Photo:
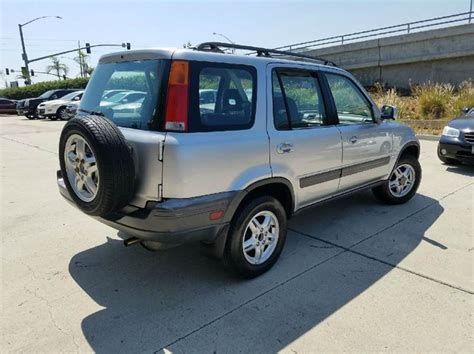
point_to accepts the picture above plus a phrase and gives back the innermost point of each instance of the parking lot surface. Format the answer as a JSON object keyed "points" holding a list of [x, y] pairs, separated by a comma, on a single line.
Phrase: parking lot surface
{"points": [[354, 275]]}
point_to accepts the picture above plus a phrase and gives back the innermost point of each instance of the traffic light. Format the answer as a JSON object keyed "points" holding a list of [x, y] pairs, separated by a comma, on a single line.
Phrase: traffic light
{"points": [[7, 71], [32, 72], [24, 72], [88, 48], [64, 77], [128, 46]]}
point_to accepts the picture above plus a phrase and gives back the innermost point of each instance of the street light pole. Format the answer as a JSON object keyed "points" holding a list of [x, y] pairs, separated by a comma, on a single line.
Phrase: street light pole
{"points": [[24, 55]]}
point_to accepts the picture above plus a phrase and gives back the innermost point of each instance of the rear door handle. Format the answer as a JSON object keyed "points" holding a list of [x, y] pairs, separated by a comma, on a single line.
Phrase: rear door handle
{"points": [[353, 139], [285, 148]]}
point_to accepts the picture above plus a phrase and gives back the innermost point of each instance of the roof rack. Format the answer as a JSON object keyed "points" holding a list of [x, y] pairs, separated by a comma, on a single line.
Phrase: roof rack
{"points": [[261, 52]]}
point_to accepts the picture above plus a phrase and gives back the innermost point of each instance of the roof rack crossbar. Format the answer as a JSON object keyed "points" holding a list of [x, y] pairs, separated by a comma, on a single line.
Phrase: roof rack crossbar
{"points": [[265, 52]]}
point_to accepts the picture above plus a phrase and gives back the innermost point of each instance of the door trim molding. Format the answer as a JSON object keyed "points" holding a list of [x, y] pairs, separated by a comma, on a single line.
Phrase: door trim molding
{"points": [[318, 178]]}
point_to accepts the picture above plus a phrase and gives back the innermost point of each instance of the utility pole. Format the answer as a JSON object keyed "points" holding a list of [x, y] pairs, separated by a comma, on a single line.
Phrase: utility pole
{"points": [[80, 58], [24, 56]]}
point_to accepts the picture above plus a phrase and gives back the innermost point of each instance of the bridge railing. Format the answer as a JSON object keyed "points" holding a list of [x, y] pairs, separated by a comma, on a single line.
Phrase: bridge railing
{"points": [[380, 32]]}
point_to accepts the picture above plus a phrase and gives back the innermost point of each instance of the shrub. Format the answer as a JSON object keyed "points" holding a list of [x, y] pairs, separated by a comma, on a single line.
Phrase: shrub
{"points": [[406, 105], [35, 90], [434, 100], [465, 97]]}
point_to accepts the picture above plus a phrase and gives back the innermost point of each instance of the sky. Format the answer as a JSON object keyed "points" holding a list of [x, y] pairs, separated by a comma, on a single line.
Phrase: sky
{"points": [[148, 24]]}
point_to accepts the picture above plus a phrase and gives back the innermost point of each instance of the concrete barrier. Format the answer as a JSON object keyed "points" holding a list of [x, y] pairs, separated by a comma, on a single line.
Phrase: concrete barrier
{"points": [[443, 55]]}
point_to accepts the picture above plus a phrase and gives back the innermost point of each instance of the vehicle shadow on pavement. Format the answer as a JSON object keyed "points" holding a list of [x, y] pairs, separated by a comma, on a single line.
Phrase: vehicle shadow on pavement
{"points": [[182, 301], [464, 170]]}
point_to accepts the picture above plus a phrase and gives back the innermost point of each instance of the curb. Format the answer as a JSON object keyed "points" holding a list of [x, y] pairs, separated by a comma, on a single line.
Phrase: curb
{"points": [[428, 137]]}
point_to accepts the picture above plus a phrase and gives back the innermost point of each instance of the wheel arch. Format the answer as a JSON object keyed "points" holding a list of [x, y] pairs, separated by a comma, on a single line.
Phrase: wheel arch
{"points": [[412, 148], [277, 187]]}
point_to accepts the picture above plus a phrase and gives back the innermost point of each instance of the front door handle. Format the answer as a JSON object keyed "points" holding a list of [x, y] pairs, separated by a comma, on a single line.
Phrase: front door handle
{"points": [[353, 139], [285, 148]]}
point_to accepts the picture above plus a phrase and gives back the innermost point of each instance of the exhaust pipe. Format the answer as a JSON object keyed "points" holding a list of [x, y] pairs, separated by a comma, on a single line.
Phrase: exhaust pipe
{"points": [[131, 241]]}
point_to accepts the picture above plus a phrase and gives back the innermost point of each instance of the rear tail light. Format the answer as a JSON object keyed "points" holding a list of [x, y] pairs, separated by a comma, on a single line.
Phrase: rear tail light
{"points": [[176, 118]]}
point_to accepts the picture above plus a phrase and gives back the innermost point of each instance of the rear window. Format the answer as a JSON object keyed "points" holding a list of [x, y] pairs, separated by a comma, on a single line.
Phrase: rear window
{"points": [[127, 93], [222, 97]]}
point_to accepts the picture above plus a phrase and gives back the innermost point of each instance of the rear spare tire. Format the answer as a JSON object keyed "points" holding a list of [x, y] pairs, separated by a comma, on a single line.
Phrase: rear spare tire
{"points": [[96, 165]]}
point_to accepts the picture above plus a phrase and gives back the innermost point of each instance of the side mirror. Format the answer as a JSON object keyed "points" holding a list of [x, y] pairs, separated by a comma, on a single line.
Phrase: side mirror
{"points": [[389, 112], [465, 110]]}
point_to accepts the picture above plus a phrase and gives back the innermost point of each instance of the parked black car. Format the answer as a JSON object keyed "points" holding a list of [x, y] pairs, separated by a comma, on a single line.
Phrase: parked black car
{"points": [[457, 141], [19, 107], [30, 104], [7, 106]]}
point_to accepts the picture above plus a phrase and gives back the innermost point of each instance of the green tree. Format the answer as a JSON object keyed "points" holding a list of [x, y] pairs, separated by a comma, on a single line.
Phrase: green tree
{"points": [[56, 67]]}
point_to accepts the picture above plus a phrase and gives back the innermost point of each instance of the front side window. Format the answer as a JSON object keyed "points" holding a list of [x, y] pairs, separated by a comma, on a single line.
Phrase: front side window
{"points": [[351, 105], [222, 97], [297, 100], [127, 93]]}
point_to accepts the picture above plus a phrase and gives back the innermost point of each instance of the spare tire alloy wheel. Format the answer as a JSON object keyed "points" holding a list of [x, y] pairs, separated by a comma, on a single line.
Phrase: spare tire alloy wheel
{"points": [[96, 164], [81, 167]]}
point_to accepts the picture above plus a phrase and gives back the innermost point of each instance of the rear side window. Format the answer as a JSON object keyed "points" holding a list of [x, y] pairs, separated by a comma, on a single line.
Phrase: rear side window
{"points": [[297, 100], [222, 97]]}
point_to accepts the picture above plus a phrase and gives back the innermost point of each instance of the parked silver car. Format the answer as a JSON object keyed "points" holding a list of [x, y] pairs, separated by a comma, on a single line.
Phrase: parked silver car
{"points": [[281, 136]]}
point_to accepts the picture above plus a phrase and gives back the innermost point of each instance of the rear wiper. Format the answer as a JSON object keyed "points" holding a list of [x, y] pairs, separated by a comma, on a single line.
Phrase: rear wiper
{"points": [[96, 113]]}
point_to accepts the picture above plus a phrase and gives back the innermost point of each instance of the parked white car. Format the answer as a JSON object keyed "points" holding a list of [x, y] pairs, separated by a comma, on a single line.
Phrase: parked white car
{"points": [[56, 109]]}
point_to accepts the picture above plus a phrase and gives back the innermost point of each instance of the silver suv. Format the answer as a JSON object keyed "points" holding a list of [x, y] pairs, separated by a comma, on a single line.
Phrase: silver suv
{"points": [[228, 169]]}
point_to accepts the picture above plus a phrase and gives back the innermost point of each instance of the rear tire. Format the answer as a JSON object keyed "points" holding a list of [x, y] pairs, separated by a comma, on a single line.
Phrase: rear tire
{"points": [[399, 190], [266, 216]]}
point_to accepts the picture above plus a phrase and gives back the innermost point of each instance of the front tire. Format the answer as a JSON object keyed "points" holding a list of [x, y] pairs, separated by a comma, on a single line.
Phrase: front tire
{"points": [[256, 237], [402, 184], [62, 114]]}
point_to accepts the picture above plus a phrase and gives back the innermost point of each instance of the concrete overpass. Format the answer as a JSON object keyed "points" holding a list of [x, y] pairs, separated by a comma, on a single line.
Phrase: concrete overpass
{"points": [[443, 55]]}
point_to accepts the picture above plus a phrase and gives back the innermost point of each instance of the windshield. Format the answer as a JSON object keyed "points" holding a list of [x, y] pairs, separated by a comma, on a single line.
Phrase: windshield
{"points": [[70, 96], [132, 81], [47, 94]]}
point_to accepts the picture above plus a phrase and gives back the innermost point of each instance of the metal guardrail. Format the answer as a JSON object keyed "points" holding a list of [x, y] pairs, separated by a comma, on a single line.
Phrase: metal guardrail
{"points": [[380, 32]]}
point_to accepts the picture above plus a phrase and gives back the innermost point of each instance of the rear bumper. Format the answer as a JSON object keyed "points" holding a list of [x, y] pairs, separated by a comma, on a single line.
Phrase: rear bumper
{"points": [[173, 221], [456, 151]]}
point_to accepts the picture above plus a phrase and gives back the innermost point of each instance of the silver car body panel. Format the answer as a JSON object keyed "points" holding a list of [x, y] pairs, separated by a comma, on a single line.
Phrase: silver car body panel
{"points": [[212, 162], [148, 168]]}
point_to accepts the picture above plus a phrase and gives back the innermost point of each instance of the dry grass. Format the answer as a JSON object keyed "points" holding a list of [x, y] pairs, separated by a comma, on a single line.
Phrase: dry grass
{"points": [[434, 101], [428, 101]]}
